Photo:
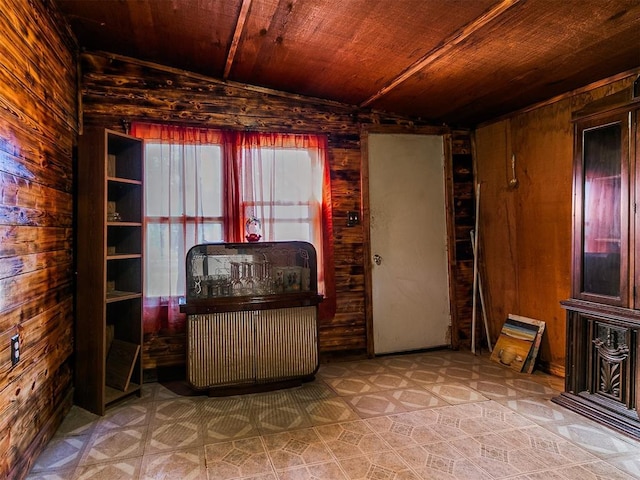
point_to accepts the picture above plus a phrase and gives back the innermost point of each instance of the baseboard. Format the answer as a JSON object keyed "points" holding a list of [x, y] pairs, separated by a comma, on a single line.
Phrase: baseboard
{"points": [[552, 369]]}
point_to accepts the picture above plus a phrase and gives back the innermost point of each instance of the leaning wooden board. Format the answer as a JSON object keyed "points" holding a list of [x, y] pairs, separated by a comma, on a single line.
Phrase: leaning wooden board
{"points": [[120, 362]]}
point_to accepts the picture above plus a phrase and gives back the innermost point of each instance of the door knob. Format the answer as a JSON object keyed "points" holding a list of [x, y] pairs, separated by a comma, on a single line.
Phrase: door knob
{"points": [[377, 259]]}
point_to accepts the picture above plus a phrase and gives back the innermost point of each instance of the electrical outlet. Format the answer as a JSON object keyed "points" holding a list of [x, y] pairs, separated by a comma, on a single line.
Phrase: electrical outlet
{"points": [[15, 349], [353, 218]]}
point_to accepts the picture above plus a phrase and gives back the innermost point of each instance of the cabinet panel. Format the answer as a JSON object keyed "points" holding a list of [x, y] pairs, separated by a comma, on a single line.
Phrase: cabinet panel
{"points": [[279, 333], [222, 349], [251, 347], [608, 371], [610, 360]]}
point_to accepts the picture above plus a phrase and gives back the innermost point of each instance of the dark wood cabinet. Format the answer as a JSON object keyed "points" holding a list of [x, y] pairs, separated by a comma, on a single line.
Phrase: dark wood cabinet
{"points": [[603, 315], [108, 334]]}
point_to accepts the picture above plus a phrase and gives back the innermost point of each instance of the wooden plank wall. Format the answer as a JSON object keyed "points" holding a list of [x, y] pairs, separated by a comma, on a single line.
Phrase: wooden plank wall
{"points": [[38, 125], [526, 230], [116, 88]]}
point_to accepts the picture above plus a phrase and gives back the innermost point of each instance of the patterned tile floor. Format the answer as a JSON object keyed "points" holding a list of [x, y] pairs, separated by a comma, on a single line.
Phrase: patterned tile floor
{"points": [[436, 415]]}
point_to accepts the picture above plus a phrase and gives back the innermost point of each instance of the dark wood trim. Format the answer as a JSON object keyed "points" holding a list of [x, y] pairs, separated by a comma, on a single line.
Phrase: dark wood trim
{"points": [[405, 129], [617, 103]]}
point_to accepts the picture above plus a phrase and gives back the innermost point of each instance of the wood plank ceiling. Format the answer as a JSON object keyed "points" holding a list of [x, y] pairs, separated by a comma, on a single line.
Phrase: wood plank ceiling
{"points": [[458, 62]]}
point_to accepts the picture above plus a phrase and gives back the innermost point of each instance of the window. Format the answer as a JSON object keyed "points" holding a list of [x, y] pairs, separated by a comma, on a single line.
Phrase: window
{"points": [[201, 185]]}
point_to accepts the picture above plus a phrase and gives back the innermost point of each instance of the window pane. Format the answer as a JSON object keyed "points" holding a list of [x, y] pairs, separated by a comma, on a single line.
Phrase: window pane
{"points": [[203, 180], [286, 189], [293, 176], [166, 248], [156, 176], [157, 258], [292, 231], [289, 170], [211, 232], [183, 180], [291, 212], [185, 187]]}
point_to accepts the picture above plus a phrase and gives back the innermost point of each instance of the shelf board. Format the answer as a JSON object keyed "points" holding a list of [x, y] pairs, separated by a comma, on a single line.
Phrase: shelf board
{"points": [[112, 394], [124, 180], [124, 256], [124, 224], [119, 296]]}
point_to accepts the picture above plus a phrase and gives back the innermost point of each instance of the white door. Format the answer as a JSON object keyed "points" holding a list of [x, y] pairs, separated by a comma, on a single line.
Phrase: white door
{"points": [[410, 278]]}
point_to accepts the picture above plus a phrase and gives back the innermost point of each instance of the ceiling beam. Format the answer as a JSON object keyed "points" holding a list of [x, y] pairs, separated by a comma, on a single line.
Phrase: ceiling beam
{"points": [[237, 34], [446, 46]]}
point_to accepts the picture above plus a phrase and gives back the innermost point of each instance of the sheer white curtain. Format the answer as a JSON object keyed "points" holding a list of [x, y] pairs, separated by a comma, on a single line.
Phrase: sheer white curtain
{"points": [[183, 207]]}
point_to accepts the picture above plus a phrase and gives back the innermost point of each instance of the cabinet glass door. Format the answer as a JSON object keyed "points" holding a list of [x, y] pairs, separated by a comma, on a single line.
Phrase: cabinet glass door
{"points": [[604, 213], [602, 191]]}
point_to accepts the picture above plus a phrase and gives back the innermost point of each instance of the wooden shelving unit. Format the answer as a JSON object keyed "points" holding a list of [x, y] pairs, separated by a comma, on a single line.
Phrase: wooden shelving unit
{"points": [[109, 264]]}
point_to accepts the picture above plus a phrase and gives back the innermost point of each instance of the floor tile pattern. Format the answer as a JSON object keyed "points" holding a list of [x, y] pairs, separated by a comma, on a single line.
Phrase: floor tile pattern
{"points": [[435, 415]]}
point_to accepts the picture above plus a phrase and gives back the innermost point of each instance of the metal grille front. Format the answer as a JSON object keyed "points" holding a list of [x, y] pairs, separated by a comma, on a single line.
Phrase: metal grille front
{"points": [[234, 348]]}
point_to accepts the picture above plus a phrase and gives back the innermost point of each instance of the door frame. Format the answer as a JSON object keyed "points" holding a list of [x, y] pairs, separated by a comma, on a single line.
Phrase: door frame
{"points": [[445, 132]]}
